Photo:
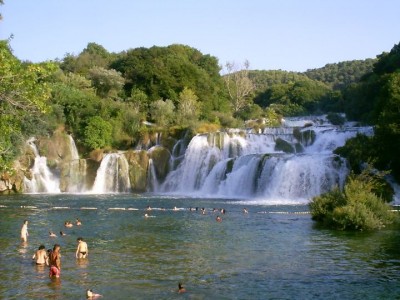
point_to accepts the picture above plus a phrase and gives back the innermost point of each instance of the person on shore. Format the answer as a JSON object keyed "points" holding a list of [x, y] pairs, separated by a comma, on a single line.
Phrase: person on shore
{"points": [[82, 250], [40, 256], [24, 232], [52, 234], [181, 288], [55, 262]]}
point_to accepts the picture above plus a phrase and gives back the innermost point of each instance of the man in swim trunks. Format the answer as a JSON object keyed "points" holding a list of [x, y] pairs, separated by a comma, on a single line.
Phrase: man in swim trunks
{"points": [[55, 262], [40, 256], [82, 250]]}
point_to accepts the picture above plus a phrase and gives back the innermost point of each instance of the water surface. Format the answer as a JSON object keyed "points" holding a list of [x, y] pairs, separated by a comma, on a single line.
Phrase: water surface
{"points": [[274, 252]]}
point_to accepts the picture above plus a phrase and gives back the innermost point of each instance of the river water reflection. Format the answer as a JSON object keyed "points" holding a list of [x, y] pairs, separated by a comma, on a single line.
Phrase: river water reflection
{"points": [[273, 252]]}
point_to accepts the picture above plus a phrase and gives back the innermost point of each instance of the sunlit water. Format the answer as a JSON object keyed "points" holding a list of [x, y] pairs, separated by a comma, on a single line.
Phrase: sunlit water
{"points": [[270, 253]]}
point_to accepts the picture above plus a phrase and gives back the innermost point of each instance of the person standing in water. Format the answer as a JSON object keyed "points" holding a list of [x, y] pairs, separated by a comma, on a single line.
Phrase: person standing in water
{"points": [[40, 256], [55, 262], [82, 250], [24, 231]]}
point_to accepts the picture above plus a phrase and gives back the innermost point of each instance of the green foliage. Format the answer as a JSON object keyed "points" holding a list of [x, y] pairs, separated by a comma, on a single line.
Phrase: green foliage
{"points": [[163, 72], [188, 107], [108, 83], [294, 97], [336, 119], [162, 112], [97, 133], [376, 100], [24, 92], [357, 151], [93, 55], [340, 75], [357, 207]]}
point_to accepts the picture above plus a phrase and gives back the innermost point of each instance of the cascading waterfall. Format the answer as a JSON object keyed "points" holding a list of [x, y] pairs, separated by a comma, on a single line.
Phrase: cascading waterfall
{"points": [[112, 175], [74, 150], [240, 164], [43, 180]]}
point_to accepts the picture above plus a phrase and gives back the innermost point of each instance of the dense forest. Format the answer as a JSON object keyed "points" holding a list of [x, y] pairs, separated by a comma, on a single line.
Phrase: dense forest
{"points": [[108, 100]]}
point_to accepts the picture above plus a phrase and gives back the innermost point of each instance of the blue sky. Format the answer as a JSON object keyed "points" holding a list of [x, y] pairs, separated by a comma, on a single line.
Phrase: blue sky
{"points": [[292, 35]]}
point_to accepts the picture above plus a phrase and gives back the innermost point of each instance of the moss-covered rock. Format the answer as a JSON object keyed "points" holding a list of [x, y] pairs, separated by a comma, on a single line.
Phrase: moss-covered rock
{"points": [[161, 157], [282, 145], [57, 148], [138, 169], [305, 137]]}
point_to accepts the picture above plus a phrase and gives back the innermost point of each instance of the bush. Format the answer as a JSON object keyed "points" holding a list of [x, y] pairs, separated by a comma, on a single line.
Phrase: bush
{"points": [[336, 119], [98, 133], [357, 207]]}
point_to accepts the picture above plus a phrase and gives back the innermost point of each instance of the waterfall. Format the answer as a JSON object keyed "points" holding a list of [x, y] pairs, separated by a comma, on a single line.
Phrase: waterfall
{"points": [[239, 164], [112, 175], [74, 150], [152, 181], [43, 180]]}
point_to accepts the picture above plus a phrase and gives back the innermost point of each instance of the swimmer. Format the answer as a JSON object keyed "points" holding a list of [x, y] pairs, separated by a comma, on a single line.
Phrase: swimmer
{"points": [[55, 262], [82, 250], [40, 256], [146, 216], [62, 233], [215, 210], [78, 222], [91, 295], [181, 288], [68, 224], [148, 207], [223, 211], [24, 231], [218, 219], [52, 234], [245, 210], [175, 208]]}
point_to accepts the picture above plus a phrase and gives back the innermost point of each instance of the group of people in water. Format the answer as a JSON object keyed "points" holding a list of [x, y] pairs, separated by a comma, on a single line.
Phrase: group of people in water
{"points": [[52, 257]]}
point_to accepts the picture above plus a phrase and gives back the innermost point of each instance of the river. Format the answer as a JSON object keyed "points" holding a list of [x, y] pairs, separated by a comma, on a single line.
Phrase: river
{"points": [[273, 252]]}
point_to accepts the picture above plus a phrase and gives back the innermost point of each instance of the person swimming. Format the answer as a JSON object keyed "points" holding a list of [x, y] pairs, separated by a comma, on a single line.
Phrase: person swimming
{"points": [[91, 295], [52, 234], [62, 233], [218, 219], [181, 288], [78, 222], [245, 210], [68, 224]]}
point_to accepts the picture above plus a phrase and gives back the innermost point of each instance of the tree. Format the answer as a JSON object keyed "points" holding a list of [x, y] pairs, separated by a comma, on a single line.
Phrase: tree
{"points": [[98, 133], [106, 82], [23, 91], [238, 84], [188, 106], [162, 112]]}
